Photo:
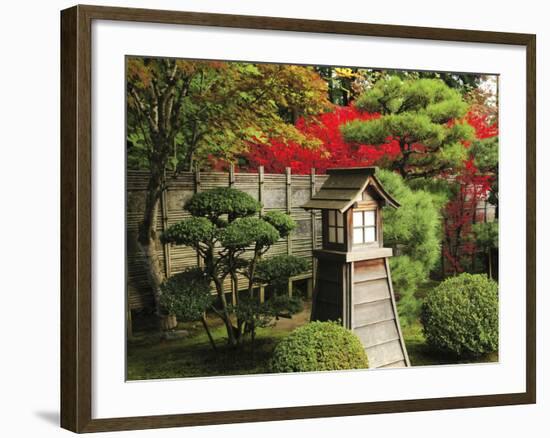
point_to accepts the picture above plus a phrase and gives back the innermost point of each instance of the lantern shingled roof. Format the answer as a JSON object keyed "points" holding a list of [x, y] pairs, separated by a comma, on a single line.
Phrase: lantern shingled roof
{"points": [[345, 186]]}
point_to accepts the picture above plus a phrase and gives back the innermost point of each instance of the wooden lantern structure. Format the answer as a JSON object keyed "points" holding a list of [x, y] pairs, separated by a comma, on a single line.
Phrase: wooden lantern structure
{"points": [[353, 281]]}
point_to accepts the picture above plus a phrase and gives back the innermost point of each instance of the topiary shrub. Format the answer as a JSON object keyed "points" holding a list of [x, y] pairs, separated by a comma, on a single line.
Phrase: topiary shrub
{"points": [[231, 239], [222, 201], [319, 346], [278, 269], [186, 294], [460, 315], [246, 231], [282, 222]]}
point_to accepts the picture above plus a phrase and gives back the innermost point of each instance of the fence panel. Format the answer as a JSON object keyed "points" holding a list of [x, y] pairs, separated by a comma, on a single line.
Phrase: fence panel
{"points": [[283, 192]]}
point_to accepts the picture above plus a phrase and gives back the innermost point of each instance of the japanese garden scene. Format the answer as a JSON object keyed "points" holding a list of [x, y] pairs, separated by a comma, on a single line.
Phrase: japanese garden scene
{"points": [[290, 218]]}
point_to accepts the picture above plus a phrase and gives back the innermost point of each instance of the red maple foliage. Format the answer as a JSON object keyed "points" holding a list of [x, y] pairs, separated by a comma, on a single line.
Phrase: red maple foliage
{"points": [[332, 152], [277, 154], [460, 212], [459, 216], [482, 125]]}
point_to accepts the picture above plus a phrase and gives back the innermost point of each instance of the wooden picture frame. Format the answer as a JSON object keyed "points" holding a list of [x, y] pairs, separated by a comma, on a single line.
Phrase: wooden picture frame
{"points": [[76, 218]]}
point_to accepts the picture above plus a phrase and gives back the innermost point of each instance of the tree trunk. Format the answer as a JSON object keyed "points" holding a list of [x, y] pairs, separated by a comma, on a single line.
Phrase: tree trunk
{"points": [[226, 317], [148, 238], [205, 325]]}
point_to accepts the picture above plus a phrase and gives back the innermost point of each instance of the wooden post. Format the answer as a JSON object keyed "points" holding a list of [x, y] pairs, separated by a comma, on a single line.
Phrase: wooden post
{"points": [[310, 288], [234, 284], [290, 287], [289, 209], [165, 246], [261, 188], [234, 291], [474, 221], [129, 329], [313, 189], [231, 175], [197, 189], [197, 179], [262, 293]]}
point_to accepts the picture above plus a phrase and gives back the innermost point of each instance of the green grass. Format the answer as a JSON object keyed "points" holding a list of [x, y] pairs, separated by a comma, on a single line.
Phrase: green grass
{"points": [[148, 357]]}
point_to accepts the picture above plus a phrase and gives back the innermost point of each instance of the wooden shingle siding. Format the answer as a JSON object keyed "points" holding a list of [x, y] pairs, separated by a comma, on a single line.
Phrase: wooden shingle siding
{"points": [[398, 364], [371, 313], [377, 333], [373, 290], [384, 354], [375, 319], [369, 270]]}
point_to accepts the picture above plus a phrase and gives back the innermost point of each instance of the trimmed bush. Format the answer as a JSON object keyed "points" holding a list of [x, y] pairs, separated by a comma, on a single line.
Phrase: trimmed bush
{"points": [[319, 346], [460, 315], [222, 201], [186, 294], [189, 231], [278, 269], [282, 222], [247, 231]]}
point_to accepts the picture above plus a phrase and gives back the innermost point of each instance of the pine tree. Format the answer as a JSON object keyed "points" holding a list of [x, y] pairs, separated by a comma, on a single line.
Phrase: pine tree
{"points": [[425, 116]]}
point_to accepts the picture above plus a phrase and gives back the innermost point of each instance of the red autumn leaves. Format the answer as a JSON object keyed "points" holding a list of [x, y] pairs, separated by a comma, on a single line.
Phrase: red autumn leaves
{"points": [[332, 151], [471, 186]]}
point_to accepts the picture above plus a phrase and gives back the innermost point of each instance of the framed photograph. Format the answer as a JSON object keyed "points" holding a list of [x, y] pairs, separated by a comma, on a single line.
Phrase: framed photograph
{"points": [[270, 218]]}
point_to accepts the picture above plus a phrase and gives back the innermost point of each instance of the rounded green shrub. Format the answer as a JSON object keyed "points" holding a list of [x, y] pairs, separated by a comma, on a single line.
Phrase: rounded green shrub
{"points": [[222, 201], [282, 222], [460, 315], [319, 346], [278, 269], [247, 231], [186, 294], [190, 231]]}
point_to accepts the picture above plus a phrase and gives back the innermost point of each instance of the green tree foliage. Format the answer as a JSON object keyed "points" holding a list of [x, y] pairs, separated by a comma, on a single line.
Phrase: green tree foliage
{"points": [[486, 235], [181, 112], [345, 84], [231, 238], [424, 115], [319, 346], [211, 107], [485, 155], [462, 82], [413, 230], [460, 315]]}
